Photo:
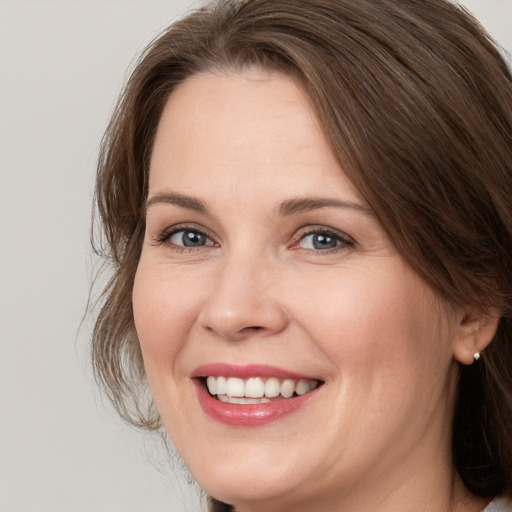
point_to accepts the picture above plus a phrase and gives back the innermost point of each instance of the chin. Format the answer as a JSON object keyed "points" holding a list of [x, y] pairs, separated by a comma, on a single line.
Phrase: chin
{"points": [[248, 488], [247, 476]]}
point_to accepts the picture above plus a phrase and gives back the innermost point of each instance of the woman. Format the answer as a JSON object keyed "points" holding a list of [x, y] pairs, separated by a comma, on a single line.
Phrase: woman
{"points": [[307, 209]]}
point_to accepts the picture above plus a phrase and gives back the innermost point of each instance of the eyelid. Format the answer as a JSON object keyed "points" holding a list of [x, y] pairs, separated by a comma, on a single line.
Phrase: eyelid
{"points": [[204, 239], [346, 240], [163, 236]]}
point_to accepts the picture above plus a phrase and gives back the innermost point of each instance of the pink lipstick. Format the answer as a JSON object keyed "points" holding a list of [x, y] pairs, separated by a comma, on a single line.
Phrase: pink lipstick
{"points": [[251, 395]]}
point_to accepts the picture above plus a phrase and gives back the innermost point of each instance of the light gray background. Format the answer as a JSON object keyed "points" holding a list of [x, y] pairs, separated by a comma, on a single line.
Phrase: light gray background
{"points": [[62, 64]]}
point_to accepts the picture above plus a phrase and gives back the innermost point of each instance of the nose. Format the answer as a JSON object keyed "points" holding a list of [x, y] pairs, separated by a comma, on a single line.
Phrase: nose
{"points": [[243, 301]]}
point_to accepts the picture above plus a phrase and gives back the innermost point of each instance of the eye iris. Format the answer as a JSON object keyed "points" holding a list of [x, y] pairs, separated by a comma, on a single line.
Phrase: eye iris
{"points": [[193, 239], [324, 241]]}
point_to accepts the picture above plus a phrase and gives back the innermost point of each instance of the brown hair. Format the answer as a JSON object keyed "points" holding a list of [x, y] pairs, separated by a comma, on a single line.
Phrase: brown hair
{"points": [[415, 101]]}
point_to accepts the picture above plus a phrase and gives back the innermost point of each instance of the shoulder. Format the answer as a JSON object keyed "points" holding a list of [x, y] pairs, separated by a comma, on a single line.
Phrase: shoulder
{"points": [[499, 504]]}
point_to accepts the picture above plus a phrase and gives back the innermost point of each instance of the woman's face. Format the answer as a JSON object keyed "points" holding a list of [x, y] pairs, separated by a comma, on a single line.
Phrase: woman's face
{"points": [[263, 269]]}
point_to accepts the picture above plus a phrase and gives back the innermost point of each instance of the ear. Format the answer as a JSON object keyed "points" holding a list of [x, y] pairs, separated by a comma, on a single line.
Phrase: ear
{"points": [[475, 331]]}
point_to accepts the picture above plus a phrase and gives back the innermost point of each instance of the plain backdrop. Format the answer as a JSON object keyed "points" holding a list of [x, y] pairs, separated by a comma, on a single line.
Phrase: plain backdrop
{"points": [[62, 64]]}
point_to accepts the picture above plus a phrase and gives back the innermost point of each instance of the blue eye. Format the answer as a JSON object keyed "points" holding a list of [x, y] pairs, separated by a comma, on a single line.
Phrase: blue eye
{"points": [[322, 241], [190, 238]]}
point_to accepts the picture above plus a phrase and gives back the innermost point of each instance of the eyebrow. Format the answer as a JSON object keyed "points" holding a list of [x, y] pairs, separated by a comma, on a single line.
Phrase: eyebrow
{"points": [[302, 205], [182, 200], [288, 207]]}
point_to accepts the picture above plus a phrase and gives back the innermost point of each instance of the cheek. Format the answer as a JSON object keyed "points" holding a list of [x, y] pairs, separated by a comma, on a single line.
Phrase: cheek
{"points": [[376, 322], [163, 313], [389, 344]]}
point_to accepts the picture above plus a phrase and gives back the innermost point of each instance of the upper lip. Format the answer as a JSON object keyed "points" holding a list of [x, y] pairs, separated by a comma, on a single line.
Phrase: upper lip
{"points": [[246, 371]]}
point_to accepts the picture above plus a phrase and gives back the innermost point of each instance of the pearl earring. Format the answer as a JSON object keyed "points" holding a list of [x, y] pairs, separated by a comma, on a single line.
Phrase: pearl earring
{"points": [[476, 356]]}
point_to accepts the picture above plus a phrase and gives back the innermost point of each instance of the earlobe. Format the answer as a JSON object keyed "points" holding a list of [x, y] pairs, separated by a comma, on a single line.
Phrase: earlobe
{"points": [[476, 330]]}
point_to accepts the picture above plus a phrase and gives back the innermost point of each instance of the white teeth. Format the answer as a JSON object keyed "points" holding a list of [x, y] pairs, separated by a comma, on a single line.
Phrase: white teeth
{"points": [[221, 386], [272, 387], [302, 387], [211, 383], [257, 389], [242, 401], [235, 387], [287, 388], [254, 388]]}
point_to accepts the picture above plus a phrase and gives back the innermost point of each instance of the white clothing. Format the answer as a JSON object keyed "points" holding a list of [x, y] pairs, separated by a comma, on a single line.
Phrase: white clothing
{"points": [[499, 504]]}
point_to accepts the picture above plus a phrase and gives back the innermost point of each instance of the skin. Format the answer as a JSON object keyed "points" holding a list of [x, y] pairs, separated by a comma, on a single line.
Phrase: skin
{"points": [[377, 434]]}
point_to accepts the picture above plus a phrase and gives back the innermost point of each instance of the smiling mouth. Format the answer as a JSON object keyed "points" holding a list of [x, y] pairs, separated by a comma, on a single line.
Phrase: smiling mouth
{"points": [[256, 390]]}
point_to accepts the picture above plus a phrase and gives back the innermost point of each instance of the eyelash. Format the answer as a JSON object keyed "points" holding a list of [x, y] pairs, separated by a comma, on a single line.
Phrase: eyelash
{"points": [[344, 241], [167, 234]]}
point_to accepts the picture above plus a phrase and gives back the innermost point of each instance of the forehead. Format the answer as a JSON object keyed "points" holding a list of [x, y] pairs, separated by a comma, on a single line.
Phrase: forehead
{"points": [[241, 131]]}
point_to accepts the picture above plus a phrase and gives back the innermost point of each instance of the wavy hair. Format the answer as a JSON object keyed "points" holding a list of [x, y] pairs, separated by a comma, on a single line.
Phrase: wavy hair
{"points": [[415, 100]]}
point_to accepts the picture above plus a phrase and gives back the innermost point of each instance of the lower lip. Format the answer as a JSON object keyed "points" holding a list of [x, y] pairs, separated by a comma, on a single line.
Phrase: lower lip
{"points": [[249, 415]]}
